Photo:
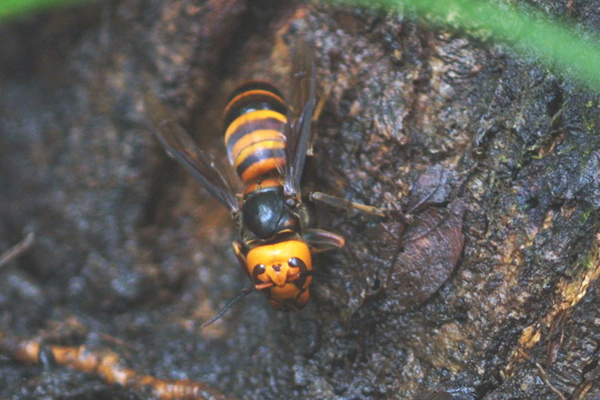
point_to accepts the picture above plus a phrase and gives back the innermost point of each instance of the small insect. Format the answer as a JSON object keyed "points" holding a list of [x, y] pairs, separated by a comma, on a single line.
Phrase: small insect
{"points": [[267, 140]]}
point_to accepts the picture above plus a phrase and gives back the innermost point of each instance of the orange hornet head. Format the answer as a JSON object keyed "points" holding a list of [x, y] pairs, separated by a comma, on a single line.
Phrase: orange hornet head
{"points": [[285, 266]]}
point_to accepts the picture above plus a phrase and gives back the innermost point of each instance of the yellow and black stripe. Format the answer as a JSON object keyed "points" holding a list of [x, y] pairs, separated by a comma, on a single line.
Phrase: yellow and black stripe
{"points": [[255, 117]]}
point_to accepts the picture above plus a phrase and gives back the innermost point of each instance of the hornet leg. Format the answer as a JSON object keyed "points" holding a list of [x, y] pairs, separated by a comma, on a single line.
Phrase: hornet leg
{"points": [[240, 254], [321, 240], [346, 204]]}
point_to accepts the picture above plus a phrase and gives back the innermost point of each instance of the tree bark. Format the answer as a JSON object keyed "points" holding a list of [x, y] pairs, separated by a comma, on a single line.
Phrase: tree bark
{"points": [[488, 290]]}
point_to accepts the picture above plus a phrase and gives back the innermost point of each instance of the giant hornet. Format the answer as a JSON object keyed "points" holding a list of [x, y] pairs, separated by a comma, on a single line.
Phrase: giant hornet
{"points": [[267, 141]]}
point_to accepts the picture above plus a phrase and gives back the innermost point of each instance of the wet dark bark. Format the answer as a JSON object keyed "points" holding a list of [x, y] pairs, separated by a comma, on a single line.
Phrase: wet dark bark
{"points": [[496, 146]]}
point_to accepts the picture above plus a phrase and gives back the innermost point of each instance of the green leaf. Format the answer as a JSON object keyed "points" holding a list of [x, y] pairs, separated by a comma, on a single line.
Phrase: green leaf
{"points": [[10, 9]]}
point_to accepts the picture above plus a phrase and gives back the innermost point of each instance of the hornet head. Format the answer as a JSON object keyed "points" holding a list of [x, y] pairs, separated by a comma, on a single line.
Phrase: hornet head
{"points": [[284, 269]]}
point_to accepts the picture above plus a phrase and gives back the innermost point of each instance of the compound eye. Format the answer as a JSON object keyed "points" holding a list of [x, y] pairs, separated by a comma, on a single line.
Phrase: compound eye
{"points": [[295, 262], [258, 270]]}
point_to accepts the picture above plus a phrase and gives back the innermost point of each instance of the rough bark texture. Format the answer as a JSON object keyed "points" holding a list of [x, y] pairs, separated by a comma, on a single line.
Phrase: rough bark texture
{"points": [[131, 248]]}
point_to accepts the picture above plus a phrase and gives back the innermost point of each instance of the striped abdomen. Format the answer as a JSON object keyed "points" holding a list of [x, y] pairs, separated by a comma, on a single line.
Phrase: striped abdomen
{"points": [[255, 118]]}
